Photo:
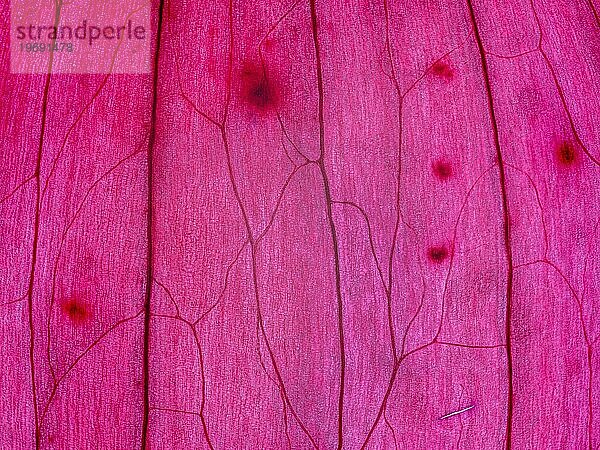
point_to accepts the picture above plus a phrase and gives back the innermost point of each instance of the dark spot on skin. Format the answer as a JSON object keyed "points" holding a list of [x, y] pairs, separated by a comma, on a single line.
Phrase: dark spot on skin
{"points": [[566, 153], [257, 90], [437, 254], [442, 70], [442, 170], [76, 311], [260, 94]]}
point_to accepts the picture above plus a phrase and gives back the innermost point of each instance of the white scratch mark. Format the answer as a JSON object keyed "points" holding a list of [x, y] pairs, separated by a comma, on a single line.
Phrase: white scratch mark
{"points": [[457, 412]]}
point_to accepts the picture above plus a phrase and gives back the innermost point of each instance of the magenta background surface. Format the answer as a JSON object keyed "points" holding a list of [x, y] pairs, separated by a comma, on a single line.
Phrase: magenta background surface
{"points": [[317, 224]]}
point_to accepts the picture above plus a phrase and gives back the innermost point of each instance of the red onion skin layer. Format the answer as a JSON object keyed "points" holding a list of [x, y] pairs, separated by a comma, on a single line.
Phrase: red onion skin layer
{"points": [[312, 225]]}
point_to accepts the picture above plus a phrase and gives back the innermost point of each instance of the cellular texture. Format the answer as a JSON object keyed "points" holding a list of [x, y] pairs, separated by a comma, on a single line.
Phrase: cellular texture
{"points": [[314, 224]]}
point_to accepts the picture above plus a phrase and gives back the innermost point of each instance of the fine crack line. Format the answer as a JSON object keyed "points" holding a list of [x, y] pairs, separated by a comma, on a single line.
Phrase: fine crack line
{"points": [[506, 223], [149, 224]]}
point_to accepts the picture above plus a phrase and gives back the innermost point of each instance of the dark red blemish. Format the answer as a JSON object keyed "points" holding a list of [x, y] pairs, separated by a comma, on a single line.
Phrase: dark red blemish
{"points": [[442, 170], [260, 94], [258, 91], [77, 311], [437, 254], [566, 154], [442, 70]]}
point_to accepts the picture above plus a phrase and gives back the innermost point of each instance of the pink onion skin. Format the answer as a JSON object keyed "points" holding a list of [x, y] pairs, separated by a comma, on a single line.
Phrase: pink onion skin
{"points": [[317, 224]]}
